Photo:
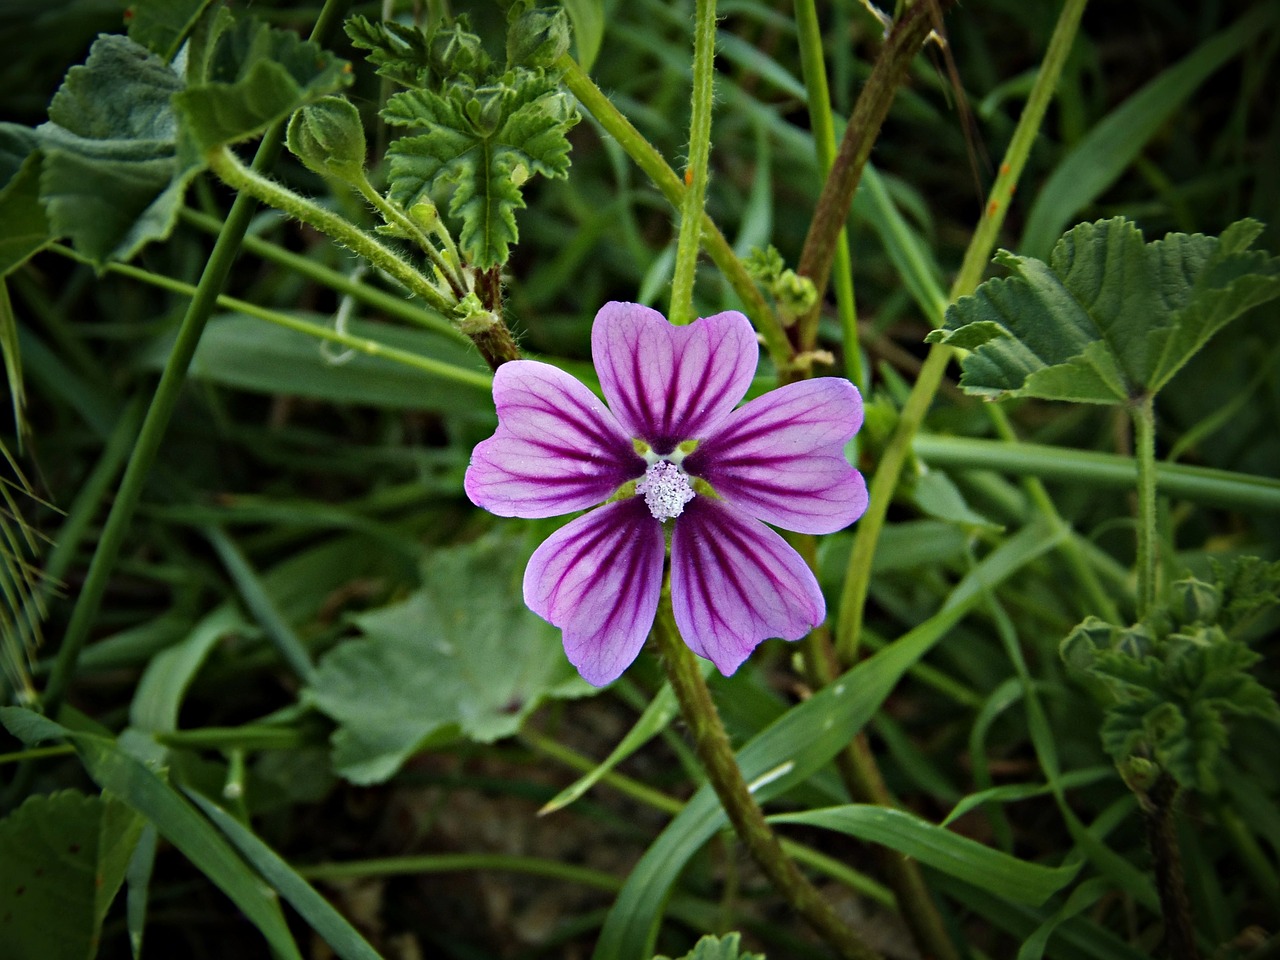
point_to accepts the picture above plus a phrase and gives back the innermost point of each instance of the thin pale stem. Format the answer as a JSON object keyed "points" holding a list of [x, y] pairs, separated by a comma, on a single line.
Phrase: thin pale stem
{"points": [[716, 754], [689, 241], [1144, 451], [372, 348], [119, 520], [885, 480], [648, 159]]}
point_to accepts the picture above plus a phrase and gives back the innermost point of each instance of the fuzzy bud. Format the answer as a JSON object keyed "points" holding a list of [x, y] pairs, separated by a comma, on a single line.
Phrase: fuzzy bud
{"points": [[537, 37], [328, 137]]}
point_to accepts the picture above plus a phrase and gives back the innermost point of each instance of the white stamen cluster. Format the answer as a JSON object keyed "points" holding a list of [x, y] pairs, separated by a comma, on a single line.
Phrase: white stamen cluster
{"points": [[665, 489]]}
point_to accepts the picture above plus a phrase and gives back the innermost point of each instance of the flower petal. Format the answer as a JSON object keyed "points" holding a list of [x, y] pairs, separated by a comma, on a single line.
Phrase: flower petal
{"points": [[598, 578], [667, 384], [557, 447], [781, 458], [735, 583]]}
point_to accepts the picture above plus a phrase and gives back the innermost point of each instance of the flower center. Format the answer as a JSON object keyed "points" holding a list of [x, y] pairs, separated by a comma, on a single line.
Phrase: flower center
{"points": [[665, 489]]}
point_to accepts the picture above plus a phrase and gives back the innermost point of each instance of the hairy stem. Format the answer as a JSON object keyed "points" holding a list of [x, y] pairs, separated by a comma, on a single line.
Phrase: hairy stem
{"points": [[118, 521], [900, 49], [716, 753], [648, 159], [1159, 804], [393, 215], [689, 241], [224, 163]]}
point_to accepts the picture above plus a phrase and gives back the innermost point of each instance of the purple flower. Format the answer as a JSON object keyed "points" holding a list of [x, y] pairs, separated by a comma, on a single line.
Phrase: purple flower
{"points": [[670, 453]]}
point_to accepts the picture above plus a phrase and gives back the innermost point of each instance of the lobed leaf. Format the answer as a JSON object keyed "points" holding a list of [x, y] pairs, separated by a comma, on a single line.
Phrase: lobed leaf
{"points": [[1110, 317], [62, 860], [461, 655], [711, 947], [484, 143]]}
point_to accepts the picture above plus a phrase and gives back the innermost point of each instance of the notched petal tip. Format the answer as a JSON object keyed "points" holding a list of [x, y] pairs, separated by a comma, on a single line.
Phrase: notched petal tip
{"points": [[668, 384]]}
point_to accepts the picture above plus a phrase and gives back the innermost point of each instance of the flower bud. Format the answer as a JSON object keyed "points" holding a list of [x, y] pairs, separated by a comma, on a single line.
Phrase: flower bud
{"points": [[328, 137], [537, 37]]}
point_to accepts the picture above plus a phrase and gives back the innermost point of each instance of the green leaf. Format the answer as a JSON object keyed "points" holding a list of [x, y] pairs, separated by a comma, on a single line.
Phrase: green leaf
{"points": [[162, 25], [26, 228], [62, 859], [1110, 317], [399, 53], [938, 847], [126, 777], [254, 75], [343, 938], [111, 180], [484, 143], [461, 654], [587, 17], [727, 947]]}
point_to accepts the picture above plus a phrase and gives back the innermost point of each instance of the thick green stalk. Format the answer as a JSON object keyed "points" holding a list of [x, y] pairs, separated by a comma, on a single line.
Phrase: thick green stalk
{"points": [[689, 241], [901, 46], [716, 754], [814, 70], [885, 480], [118, 521], [672, 187], [1144, 451]]}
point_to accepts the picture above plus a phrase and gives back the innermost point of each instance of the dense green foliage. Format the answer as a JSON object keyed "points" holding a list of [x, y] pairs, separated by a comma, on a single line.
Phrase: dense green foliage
{"points": [[269, 672]]}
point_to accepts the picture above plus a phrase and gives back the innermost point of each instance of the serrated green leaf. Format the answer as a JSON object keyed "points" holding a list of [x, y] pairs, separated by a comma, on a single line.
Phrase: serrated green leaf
{"points": [[462, 653], [111, 180], [1110, 317], [484, 143], [727, 947], [162, 25], [25, 227], [62, 860], [254, 75], [1006, 876], [399, 53]]}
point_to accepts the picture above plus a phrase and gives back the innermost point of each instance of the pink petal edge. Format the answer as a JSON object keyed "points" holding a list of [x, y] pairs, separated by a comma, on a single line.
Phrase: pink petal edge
{"points": [[557, 448], [780, 458]]}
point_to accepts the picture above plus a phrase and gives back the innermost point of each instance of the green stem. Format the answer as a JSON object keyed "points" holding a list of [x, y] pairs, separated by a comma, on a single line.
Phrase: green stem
{"points": [[1144, 450], [338, 282], [648, 159], [453, 863], [716, 754], [901, 46], [689, 241], [814, 70], [858, 575], [373, 348], [1222, 488], [224, 163], [119, 520]]}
